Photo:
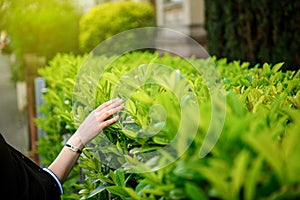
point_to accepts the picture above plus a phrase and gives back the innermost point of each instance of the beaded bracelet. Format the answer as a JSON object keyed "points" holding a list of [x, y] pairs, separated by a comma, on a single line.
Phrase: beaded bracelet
{"points": [[73, 148]]}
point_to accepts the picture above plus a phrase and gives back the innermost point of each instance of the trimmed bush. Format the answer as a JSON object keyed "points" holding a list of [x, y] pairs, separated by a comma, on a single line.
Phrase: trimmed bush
{"points": [[108, 19], [255, 157]]}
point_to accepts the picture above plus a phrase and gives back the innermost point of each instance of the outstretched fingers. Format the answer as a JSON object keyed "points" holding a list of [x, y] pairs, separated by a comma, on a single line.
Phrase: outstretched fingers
{"points": [[108, 109], [108, 122], [110, 104]]}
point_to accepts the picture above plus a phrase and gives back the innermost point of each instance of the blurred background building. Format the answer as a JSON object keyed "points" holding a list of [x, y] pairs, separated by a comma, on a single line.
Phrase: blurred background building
{"points": [[185, 16]]}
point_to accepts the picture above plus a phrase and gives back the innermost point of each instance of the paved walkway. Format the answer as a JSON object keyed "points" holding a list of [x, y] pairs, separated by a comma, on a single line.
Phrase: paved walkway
{"points": [[13, 123]]}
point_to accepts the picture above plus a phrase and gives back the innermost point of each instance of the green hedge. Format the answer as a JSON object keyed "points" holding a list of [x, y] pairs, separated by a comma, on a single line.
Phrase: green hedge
{"points": [[257, 31], [58, 123], [255, 157], [108, 19]]}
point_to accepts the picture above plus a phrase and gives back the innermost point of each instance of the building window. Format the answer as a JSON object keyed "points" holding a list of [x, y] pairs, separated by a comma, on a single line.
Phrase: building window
{"points": [[172, 1]]}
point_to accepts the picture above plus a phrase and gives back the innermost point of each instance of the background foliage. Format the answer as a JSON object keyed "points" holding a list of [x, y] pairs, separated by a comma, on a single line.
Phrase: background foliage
{"points": [[2, 13], [39, 27], [108, 19], [255, 157], [257, 31]]}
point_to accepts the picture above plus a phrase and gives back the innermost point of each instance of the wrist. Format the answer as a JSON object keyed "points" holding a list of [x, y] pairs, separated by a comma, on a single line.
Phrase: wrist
{"points": [[76, 141]]}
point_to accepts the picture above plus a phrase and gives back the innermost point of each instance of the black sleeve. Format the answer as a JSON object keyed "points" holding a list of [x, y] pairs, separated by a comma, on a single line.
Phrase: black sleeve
{"points": [[22, 179]]}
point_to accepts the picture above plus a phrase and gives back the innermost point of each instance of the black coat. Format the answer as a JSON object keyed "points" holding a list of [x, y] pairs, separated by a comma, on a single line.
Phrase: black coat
{"points": [[22, 179]]}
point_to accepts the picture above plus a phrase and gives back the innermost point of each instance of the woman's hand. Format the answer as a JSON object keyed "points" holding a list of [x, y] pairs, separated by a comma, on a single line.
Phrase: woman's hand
{"points": [[97, 120]]}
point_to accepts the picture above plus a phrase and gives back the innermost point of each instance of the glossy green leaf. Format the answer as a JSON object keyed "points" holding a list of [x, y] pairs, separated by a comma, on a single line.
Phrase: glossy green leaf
{"points": [[120, 177], [99, 189], [118, 190], [239, 170], [194, 192]]}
